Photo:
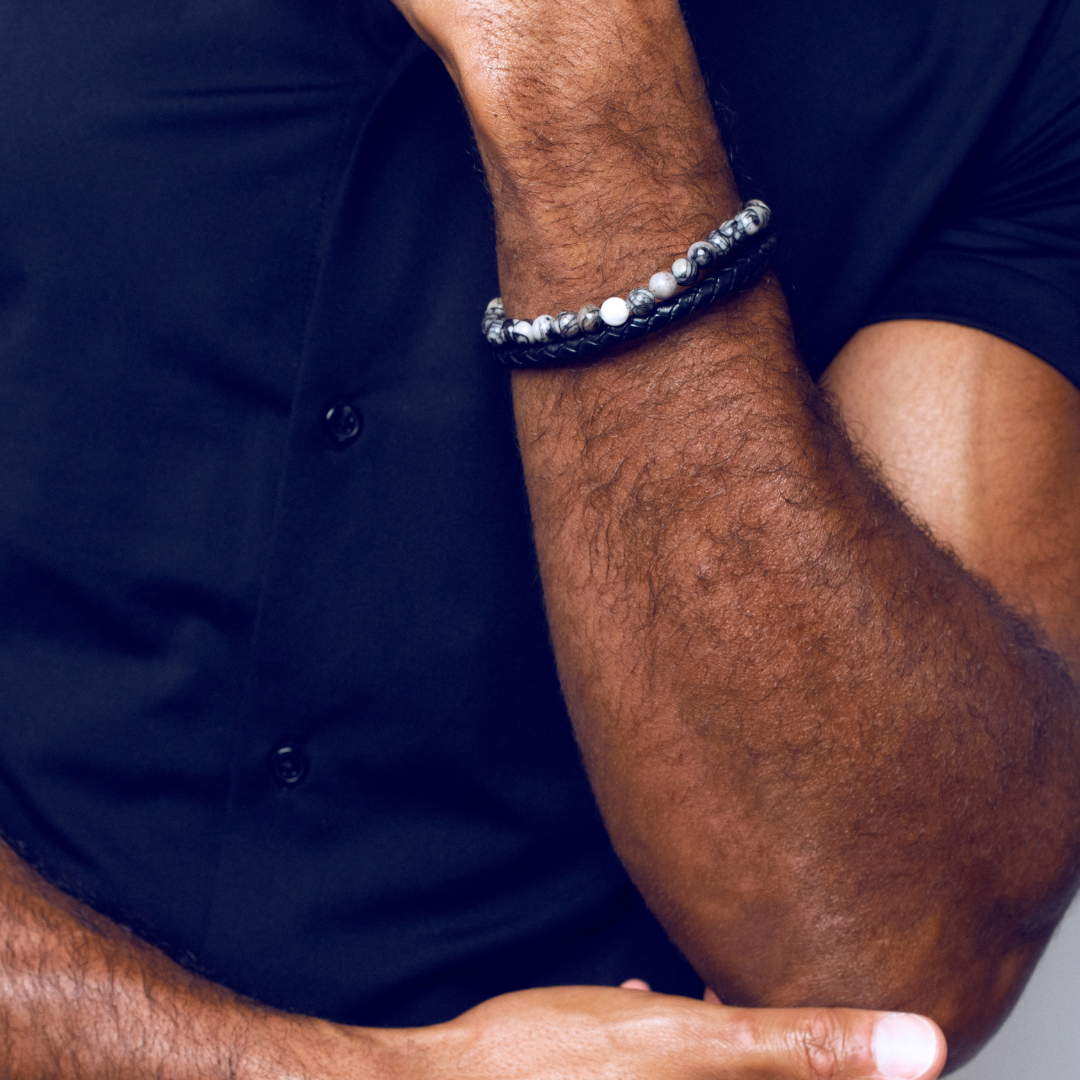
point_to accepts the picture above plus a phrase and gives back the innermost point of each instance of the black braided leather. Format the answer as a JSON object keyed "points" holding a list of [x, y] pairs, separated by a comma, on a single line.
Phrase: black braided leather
{"points": [[568, 351]]}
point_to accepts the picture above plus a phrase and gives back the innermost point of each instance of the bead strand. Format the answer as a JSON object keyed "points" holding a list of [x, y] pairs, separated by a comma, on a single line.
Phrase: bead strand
{"points": [[640, 302]]}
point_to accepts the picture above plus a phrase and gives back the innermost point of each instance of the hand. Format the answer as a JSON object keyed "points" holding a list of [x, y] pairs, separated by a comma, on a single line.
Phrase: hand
{"points": [[597, 1033]]}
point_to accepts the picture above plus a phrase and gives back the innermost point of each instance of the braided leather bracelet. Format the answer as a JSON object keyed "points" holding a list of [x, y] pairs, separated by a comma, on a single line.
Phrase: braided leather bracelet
{"points": [[570, 339], [744, 271]]}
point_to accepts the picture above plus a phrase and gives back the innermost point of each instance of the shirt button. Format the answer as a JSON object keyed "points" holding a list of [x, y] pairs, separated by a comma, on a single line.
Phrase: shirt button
{"points": [[343, 422], [289, 764]]}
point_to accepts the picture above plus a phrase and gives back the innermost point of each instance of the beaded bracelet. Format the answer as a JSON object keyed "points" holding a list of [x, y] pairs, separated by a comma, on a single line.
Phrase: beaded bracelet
{"points": [[737, 275], [569, 337]]}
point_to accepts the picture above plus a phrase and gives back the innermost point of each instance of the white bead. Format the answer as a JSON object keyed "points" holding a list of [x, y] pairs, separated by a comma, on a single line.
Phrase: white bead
{"points": [[495, 305], [614, 311], [663, 285], [684, 271]]}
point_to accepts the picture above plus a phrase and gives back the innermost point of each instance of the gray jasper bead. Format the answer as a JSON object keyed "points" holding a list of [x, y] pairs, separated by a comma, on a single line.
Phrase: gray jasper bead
{"points": [[684, 271], [566, 323], [491, 324], [663, 285], [719, 241], [759, 210], [543, 328], [732, 230], [588, 317], [748, 222], [640, 302], [702, 253], [519, 331]]}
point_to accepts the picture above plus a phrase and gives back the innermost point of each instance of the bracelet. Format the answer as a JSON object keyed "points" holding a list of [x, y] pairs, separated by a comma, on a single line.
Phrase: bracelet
{"points": [[732, 278], [568, 337]]}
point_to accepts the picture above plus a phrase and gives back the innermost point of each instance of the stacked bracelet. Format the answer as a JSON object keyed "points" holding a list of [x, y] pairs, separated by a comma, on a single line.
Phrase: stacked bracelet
{"points": [[569, 337]]}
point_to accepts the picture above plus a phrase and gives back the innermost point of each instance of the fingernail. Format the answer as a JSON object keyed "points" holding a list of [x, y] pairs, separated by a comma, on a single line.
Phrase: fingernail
{"points": [[904, 1046]]}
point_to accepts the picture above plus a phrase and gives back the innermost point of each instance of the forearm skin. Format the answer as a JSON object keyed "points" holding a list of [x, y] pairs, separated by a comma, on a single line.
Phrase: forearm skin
{"points": [[84, 999], [838, 768], [839, 771]]}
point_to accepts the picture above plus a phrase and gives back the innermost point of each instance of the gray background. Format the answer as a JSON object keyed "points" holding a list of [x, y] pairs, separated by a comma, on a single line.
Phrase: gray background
{"points": [[1041, 1039]]}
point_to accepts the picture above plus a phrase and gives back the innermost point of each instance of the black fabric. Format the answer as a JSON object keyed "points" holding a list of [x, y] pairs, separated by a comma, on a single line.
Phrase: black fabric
{"points": [[892, 141], [220, 219]]}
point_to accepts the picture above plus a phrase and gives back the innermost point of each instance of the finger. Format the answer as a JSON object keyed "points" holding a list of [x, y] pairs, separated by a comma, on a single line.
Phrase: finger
{"points": [[635, 984], [902, 1043], [710, 996], [834, 1044]]}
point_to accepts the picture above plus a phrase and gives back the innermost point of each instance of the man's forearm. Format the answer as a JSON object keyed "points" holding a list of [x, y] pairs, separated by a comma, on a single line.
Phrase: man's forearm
{"points": [[82, 998], [838, 769]]}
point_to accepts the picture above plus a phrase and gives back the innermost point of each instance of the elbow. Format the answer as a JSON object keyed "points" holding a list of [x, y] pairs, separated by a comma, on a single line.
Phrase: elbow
{"points": [[966, 978]]}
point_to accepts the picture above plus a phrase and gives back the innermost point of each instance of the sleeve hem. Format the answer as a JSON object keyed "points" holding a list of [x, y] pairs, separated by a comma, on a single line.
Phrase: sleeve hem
{"points": [[987, 295]]}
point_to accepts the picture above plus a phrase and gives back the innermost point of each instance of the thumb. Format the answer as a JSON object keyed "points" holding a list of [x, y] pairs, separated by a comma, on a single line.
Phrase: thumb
{"points": [[837, 1044]]}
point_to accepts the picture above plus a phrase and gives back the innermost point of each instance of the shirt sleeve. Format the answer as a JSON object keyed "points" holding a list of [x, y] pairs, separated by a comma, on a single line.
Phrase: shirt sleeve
{"points": [[1003, 252]]}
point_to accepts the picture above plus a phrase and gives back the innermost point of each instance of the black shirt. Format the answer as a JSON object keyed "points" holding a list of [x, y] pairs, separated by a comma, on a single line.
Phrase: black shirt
{"points": [[275, 681]]}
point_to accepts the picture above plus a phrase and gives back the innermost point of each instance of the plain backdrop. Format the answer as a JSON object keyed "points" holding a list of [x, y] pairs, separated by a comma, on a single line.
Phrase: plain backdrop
{"points": [[1041, 1039]]}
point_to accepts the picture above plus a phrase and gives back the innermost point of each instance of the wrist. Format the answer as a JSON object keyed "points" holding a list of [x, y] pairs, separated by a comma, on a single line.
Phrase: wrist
{"points": [[505, 50], [397, 1053], [601, 149], [598, 138], [282, 1046]]}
